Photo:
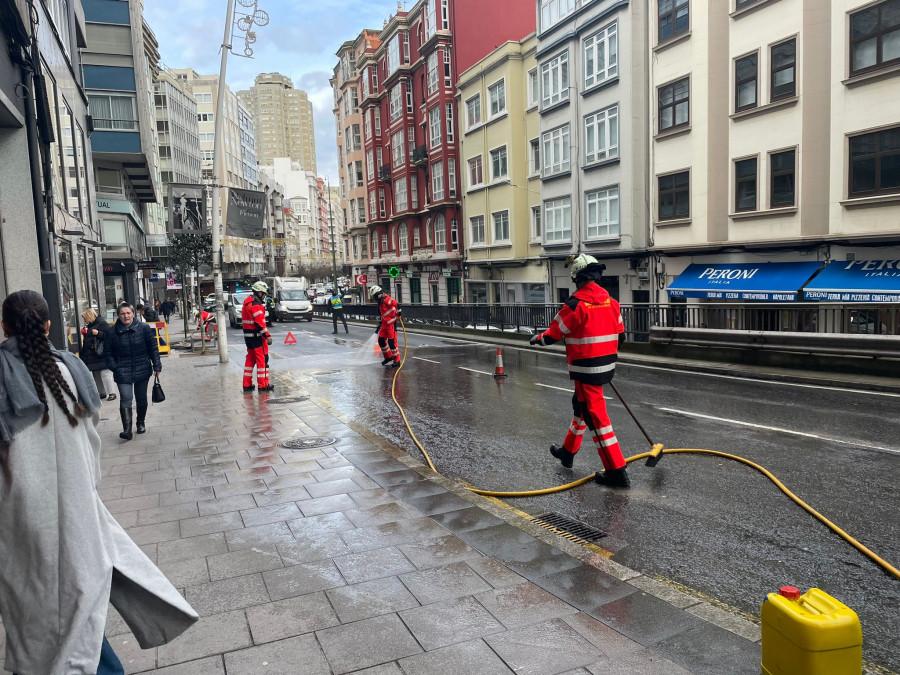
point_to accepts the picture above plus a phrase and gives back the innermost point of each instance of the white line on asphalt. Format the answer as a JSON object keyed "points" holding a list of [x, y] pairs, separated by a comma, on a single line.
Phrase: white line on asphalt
{"points": [[420, 358], [754, 379], [472, 370], [550, 386], [784, 431]]}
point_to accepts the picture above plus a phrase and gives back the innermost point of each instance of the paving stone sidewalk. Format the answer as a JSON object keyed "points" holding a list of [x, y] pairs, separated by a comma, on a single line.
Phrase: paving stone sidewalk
{"points": [[353, 557]]}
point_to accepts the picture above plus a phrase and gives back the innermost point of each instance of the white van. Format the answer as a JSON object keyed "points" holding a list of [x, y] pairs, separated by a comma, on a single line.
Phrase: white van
{"points": [[291, 300]]}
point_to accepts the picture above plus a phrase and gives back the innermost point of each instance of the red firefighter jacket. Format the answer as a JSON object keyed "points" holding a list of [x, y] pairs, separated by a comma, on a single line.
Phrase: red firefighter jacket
{"points": [[590, 322], [253, 319], [388, 309]]}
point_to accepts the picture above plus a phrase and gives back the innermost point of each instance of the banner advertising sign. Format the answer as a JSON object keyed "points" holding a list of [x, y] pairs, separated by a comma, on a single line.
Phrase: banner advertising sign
{"points": [[173, 283], [187, 208], [246, 214]]}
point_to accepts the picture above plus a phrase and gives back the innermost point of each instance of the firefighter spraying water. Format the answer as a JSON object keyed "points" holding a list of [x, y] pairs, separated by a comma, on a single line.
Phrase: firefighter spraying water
{"points": [[591, 324], [387, 327]]}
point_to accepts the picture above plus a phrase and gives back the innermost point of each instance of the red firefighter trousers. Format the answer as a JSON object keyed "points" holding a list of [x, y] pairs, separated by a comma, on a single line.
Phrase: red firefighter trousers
{"points": [[259, 357], [590, 411], [387, 340]]}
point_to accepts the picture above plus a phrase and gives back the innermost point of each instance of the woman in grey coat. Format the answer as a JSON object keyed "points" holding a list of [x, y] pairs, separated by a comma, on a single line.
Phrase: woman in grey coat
{"points": [[64, 557]]}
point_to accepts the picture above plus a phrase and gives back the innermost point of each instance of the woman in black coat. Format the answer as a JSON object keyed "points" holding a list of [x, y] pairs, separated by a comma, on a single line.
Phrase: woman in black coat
{"points": [[132, 353], [92, 353]]}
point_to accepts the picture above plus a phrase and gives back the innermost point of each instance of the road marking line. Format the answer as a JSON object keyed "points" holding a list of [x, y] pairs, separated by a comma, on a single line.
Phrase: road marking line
{"points": [[782, 430], [421, 358], [472, 370], [754, 379], [550, 386]]}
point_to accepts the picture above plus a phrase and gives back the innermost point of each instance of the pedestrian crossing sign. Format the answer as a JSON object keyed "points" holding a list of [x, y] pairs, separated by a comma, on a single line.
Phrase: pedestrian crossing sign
{"points": [[290, 339]]}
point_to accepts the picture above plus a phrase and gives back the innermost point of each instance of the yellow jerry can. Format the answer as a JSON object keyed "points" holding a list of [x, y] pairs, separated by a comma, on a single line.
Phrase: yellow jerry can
{"points": [[809, 634]]}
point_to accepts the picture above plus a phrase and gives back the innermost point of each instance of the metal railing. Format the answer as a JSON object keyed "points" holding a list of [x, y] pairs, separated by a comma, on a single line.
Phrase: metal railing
{"points": [[527, 319]]}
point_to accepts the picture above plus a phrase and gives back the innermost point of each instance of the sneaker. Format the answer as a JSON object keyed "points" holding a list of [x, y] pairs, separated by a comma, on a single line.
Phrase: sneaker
{"points": [[269, 387], [615, 478], [250, 388], [564, 456], [386, 361]]}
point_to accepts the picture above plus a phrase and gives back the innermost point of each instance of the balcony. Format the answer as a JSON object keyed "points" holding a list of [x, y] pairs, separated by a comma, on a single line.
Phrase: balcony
{"points": [[420, 156], [384, 173]]}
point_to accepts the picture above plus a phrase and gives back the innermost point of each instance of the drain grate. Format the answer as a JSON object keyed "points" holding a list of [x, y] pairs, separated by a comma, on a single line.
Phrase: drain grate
{"points": [[288, 399], [568, 527], [306, 442]]}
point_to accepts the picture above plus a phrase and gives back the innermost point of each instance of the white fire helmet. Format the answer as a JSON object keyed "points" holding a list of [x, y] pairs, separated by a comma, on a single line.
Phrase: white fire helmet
{"points": [[375, 290], [260, 286], [576, 263]]}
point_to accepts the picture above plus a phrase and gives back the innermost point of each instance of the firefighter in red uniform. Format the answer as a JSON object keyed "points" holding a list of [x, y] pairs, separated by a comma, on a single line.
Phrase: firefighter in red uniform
{"points": [[591, 323], [256, 337], [387, 327]]}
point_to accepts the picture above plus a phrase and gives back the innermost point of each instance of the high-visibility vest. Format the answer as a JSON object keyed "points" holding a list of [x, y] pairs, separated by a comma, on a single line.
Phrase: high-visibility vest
{"points": [[336, 302], [388, 309], [253, 321], [590, 322]]}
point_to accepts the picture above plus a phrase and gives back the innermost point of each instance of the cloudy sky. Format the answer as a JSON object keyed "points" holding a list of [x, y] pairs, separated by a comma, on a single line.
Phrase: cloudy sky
{"points": [[300, 42]]}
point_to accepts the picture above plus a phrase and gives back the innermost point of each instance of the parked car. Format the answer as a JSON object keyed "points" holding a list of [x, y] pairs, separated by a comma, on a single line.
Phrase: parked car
{"points": [[233, 305]]}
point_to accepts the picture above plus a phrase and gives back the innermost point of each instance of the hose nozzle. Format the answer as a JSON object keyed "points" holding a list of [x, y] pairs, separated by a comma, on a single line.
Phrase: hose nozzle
{"points": [[655, 455]]}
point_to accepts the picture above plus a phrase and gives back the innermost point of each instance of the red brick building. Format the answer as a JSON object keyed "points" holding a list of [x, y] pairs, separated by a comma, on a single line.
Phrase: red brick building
{"points": [[407, 94]]}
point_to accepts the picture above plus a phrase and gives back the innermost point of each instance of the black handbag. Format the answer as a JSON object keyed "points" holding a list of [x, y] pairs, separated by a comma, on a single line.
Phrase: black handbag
{"points": [[158, 395]]}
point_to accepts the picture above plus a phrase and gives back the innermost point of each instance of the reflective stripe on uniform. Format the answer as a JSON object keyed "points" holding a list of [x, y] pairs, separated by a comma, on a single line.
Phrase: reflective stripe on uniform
{"points": [[591, 340], [592, 370], [562, 327]]}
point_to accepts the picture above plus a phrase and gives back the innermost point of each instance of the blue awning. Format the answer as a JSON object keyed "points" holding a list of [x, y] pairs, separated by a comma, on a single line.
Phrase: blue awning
{"points": [[857, 281], [772, 282]]}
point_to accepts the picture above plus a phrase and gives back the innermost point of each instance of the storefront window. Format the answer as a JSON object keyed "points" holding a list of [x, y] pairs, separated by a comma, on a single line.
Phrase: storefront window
{"points": [[92, 280], [67, 293], [454, 290], [477, 293], [114, 287], [535, 293], [83, 275]]}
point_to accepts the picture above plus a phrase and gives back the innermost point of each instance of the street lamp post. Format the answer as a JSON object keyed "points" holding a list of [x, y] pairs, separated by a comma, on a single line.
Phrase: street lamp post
{"points": [[244, 25]]}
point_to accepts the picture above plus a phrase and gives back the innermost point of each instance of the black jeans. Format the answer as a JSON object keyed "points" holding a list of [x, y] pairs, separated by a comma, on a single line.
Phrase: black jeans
{"points": [[129, 391], [335, 315]]}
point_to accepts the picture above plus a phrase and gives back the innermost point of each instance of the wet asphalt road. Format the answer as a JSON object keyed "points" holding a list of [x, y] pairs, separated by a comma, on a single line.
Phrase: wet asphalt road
{"points": [[711, 524]]}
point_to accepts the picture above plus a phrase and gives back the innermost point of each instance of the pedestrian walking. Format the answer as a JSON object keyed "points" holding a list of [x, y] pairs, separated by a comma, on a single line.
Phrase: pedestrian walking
{"points": [[591, 323], [387, 327], [147, 313], [132, 353], [256, 337], [167, 308], [337, 312], [60, 547], [92, 353]]}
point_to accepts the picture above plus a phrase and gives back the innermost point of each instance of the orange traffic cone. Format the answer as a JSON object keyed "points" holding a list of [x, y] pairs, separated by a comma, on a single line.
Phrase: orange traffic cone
{"points": [[498, 370]]}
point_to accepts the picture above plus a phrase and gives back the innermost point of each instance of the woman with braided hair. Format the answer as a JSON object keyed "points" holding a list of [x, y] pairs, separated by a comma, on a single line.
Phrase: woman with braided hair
{"points": [[65, 558]]}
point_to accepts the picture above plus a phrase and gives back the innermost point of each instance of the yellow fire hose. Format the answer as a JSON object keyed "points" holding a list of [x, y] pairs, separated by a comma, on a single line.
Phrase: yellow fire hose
{"points": [[652, 454]]}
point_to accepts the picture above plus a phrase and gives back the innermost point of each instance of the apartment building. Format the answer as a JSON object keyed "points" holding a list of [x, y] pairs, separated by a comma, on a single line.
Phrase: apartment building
{"points": [[237, 167], [350, 218], [121, 61], [408, 98], [501, 178], [775, 131], [301, 189], [177, 131], [591, 153], [50, 236], [283, 120]]}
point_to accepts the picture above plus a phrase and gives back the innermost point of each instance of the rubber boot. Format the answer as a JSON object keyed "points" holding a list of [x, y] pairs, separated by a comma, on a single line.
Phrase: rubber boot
{"points": [[387, 360], [395, 364], [564, 456], [126, 415], [141, 416], [615, 478]]}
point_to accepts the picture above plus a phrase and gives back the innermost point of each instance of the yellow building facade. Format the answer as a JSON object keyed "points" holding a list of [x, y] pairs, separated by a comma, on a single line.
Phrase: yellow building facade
{"points": [[498, 117]]}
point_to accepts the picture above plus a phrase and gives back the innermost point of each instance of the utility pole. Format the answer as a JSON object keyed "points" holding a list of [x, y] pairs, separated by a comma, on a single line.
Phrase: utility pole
{"points": [[333, 252], [222, 341]]}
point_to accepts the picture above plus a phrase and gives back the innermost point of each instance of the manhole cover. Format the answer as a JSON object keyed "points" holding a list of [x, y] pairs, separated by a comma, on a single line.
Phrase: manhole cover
{"points": [[288, 399], [568, 527], [306, 442]]}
